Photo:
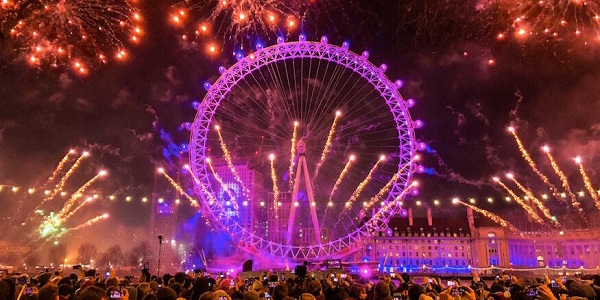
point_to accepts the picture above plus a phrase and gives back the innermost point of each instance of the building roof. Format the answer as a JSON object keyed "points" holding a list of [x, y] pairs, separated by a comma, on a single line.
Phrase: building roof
{"points": [[452, 225]]}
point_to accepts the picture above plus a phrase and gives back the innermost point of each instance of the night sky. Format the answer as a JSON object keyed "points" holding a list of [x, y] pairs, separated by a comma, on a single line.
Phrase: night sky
{"points": [[548, 90]]}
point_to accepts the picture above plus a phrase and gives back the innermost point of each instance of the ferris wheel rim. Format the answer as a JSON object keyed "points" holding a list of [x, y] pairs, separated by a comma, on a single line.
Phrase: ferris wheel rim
{"points": [[304, 50]]}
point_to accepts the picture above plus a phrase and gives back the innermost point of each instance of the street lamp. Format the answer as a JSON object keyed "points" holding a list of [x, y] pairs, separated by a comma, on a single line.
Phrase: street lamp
{"points": [[160, 240]]}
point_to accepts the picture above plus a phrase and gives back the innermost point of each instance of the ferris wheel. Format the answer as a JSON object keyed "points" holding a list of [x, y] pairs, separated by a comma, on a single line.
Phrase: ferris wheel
{"points": [[302, 150]]}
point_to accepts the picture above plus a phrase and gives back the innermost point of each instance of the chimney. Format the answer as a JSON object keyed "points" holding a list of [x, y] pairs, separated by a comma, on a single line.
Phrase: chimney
{"points": [[471, 222], [429, 220], [410, 217]]}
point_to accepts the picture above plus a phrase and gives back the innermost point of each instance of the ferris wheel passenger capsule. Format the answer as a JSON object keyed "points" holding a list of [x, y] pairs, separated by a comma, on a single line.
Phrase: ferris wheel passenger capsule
{"points": [[421, 146], [302, 38], [410, 102], [420, 169], [184, 147], [365, 54], [346, 45], [239, 56], [196, 105], [187, 125], [259, 46], [222, 69], [418, 123], [414, 191], [399, 84], [207, 86], [324, 40], [383, 67], [280, 40]]}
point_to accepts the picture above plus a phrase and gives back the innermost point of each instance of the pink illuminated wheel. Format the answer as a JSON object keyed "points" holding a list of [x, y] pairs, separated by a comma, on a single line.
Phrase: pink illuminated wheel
{"points": [[294, 105]]}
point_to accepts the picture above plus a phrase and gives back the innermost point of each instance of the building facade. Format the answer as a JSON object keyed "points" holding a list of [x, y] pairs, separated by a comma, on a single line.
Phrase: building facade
{"points": [[457, 245]]}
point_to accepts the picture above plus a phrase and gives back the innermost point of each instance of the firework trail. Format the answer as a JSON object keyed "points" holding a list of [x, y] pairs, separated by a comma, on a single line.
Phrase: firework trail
{"points": [[497, 219], [588, 183], [223, 185], [211, 197], [382, 191], [88, 223], [545, 211], [193, 201], [363, 184], [80, 206], [70, 34], [389, 205], [533, 166], [79, 193], [565, 183], [59, 168], [342, 174], [229, 161], [521, 202], [359, 189], [337, 183], [275, 188], [327, 144], [387, 187], [293, 154], [63, 180]]}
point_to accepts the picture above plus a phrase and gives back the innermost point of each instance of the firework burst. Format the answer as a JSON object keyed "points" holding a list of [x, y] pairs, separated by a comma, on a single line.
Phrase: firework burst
{"points": [[234, 20], [72, 34], [575, 21]]}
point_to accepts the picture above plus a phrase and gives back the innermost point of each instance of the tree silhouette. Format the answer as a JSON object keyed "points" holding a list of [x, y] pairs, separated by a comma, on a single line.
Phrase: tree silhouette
{"points": [[113, 256], [141, 253], [57, 254], [87, 252]]}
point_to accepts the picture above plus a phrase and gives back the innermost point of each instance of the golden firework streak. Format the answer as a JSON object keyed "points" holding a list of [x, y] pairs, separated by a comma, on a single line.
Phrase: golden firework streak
{"points": [[74, 211], [533, 166], [588, 183], [362, 185], [234, 200], [327, 144], [88, 223], [521, 202], [538, 203], [565, 183], [193, 201], [79, 193], [59, 168], [63, 180], [275, 187], [497, 219], [229, 161], [342, 174], [293, 154]]}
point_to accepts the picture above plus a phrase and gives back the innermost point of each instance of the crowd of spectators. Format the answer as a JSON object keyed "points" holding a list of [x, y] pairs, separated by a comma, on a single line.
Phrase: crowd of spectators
{"points": [[274, 286]]}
